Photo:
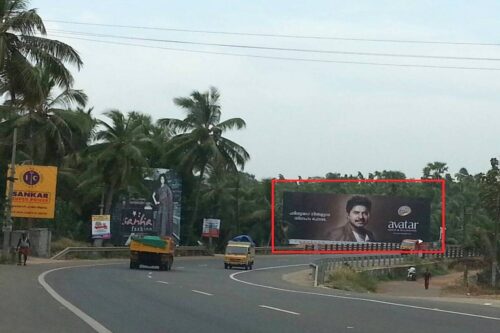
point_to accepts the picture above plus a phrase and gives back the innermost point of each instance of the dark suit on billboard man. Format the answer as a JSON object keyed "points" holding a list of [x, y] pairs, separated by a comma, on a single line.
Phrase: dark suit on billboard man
{"points": [[358, 210], [164, 199]]}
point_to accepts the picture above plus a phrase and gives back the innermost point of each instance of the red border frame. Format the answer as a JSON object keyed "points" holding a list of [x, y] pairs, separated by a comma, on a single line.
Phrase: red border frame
{"points": [[443, 215]]}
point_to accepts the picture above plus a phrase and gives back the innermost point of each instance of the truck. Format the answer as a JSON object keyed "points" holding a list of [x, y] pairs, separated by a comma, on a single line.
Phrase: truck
{"points": [[240, 254], [414, 245], [152, 251]]}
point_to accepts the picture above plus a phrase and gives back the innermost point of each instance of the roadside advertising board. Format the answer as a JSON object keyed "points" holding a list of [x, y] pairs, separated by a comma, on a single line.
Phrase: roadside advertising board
{"points": [[34, 194], [101, 226], [211, 228]]}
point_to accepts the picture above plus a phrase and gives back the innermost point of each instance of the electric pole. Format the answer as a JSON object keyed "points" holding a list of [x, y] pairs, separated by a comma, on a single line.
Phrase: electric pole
{"points": [[7, 222]]}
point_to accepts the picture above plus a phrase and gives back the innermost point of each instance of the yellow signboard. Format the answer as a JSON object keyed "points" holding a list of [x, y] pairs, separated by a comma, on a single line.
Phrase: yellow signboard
{"points": [[34, 191]]}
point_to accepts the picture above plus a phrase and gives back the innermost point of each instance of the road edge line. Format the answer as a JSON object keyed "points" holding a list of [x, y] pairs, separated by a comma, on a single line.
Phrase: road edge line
{"points": [[465, 314], [96, 326]]}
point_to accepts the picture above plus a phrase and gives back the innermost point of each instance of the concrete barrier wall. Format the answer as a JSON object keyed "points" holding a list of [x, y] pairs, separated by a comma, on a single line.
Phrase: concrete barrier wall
{"points": [[40, 239]]}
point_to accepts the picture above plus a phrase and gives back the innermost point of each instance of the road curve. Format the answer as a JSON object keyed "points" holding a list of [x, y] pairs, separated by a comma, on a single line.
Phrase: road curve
{"points": [[199, 295]]}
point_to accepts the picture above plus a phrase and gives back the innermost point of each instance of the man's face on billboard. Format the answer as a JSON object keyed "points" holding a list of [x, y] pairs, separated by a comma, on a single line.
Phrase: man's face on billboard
{"points": [[358, 216]]}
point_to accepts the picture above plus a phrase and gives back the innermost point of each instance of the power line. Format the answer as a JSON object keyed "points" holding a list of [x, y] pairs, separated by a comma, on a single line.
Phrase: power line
{"points": [[274, 35], [269, 48], [281, 58]]}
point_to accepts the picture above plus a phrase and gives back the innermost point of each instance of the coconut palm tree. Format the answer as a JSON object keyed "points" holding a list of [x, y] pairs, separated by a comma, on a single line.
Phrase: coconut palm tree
{"points": [[48, 126], [22, 45], [118, 158], [199, 142]]}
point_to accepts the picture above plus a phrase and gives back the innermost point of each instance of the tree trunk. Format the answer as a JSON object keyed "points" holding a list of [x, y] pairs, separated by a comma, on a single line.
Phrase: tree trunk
{"points": [[109, 199], [197, 199]]}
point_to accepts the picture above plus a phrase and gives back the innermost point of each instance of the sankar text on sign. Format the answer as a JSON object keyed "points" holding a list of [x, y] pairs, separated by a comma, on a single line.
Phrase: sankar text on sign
{"points": [[34, 194]]}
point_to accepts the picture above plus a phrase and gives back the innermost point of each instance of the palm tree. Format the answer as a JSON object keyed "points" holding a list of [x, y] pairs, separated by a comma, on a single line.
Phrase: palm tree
{"points": [[435, 170], [117, 155], [199, 141], [21, 46], [48, 127]]}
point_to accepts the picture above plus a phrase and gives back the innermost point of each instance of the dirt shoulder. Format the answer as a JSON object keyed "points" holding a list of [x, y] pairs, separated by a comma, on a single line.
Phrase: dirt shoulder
{"points": [[439, 288]]}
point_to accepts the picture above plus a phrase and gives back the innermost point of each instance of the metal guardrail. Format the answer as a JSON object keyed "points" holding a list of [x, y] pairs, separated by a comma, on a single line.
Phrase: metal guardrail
{"points": [[322, 267], [372, 246], [179, 251], [71, 250], [268, 249]]}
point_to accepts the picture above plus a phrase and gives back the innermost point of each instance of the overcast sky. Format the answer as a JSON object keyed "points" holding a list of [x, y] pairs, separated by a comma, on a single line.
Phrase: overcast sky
{"points": [[306, 118]]}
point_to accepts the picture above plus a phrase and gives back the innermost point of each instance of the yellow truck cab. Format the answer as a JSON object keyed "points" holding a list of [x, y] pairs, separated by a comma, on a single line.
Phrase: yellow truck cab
{"points": [[241, 254]]}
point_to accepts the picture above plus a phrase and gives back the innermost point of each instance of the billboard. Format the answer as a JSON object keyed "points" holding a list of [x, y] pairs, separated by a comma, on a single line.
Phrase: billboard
{"points": [[101, 226], [158, 209], [138, 218], [328, 218], [211, 228], [34, 194]]}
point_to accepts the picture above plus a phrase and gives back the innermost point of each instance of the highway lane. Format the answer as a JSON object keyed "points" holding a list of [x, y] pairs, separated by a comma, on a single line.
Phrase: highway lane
{"points": [[199, 295], [25, 307]]}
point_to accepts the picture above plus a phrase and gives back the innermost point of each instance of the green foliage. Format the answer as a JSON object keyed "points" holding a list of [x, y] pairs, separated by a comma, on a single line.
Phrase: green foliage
{"points": [[199, 147], [64, 242], [108, 157], [350, 280]]}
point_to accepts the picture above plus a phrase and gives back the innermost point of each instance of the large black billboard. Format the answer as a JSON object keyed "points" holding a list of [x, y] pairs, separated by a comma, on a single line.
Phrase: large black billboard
{"points": [[158, 210], [327, 217]]}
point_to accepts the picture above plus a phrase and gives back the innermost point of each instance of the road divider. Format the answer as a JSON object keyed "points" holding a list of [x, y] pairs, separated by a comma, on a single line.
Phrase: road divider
{"points": [[201, 292], [164, 282], [278, 309]]}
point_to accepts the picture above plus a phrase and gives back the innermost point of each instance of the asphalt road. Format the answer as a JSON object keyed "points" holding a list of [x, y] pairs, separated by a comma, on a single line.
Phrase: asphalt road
{"points": [[199, 295]]}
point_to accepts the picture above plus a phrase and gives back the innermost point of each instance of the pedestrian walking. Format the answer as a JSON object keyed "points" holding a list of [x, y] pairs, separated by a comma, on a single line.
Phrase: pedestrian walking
{"points": [[427, 278], [23, 248]]}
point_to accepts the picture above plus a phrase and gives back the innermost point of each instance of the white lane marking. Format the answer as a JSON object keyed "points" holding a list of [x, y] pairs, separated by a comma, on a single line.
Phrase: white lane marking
{"points": [[98, 327], [201, 292], [232, 276], [179, 267], [164, 282], [204, 265], [487, 304], [149, 276], [278, 309]]}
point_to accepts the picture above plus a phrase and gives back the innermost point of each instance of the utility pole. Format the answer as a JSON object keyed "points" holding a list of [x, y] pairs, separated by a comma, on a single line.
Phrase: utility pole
{"points": [[7, 223], [494, 261]]}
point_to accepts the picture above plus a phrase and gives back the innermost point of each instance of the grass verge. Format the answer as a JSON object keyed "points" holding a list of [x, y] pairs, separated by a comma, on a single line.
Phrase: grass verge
{"points": [[348, 279]]}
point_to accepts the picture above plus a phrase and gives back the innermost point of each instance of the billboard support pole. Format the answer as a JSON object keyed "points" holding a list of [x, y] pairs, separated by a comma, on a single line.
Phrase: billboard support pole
{"points": [[7, 222]]}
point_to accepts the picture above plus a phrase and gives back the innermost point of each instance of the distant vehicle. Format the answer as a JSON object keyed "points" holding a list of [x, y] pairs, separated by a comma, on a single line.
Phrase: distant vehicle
{"points": [[412, 274], [152, 251], [239, 253], [413, 245], [243, 238]]}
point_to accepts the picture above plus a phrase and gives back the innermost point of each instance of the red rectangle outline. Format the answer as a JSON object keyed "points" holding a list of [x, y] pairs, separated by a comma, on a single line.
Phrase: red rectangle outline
{"points": [[443, 215]]}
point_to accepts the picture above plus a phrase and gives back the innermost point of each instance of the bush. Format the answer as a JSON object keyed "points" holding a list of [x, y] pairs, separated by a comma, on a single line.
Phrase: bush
{"points": [[348, 279], [63, 242]]}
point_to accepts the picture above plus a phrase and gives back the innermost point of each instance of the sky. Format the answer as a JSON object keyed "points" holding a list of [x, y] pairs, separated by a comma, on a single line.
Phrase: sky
{"points": [[305, 118]]}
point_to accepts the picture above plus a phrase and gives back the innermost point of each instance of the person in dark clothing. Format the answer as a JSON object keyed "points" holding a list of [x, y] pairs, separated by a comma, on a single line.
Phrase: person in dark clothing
{"points": [[23, 248], [427, 278]]}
